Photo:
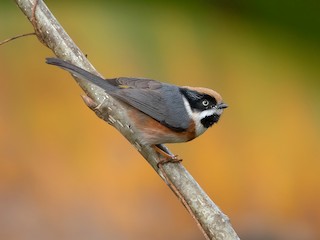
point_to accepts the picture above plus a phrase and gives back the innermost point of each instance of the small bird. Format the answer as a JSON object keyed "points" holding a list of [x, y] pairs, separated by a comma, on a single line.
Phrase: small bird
{"points": [[162, 113]]}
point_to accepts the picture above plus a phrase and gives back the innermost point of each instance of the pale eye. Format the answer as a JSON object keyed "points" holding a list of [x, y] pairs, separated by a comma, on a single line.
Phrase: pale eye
{"points": [[205, 103]]}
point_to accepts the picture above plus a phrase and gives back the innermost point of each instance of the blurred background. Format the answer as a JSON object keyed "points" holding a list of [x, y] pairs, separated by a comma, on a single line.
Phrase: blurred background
{"points": [[66, 174]]}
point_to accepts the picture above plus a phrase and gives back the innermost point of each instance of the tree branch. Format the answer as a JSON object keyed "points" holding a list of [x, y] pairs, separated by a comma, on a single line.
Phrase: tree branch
{"points": [[212, 222]]}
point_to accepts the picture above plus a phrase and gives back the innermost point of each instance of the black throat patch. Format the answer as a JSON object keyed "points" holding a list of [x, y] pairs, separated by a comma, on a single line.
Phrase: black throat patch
{"points": [[210, 120]]}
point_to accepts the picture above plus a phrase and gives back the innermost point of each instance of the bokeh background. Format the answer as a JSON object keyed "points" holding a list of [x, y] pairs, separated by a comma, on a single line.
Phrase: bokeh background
{"points": [[66, 174]]}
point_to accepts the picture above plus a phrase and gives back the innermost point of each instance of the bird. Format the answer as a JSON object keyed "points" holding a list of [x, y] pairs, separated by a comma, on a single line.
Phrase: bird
{"points": [[161, 112]]}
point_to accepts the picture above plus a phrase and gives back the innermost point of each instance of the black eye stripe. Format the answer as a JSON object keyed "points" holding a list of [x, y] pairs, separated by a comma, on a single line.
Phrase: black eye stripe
{"points": [[196, 100]]}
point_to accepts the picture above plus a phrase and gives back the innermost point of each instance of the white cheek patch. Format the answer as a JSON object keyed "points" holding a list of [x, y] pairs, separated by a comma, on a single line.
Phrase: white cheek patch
{"points": [[187, 106], [207, 113], [197, 116]]}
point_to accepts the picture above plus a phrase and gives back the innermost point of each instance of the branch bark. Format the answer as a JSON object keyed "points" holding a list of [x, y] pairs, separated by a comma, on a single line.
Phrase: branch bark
{"points": [[212, 222]]}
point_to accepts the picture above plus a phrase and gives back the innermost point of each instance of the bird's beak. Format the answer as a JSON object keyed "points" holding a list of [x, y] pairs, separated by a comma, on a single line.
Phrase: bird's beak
{"points": [[221, 105]]}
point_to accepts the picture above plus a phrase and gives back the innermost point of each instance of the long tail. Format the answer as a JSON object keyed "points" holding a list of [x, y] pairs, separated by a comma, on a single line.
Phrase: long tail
{"points": [[81, 73]]}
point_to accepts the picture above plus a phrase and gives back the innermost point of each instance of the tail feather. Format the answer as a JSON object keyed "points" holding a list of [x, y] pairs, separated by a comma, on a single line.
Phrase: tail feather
{"points": [[81, 73]]}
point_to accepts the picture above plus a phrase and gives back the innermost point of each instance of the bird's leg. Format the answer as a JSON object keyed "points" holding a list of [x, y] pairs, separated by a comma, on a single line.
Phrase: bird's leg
{"points": [[168, 156]]}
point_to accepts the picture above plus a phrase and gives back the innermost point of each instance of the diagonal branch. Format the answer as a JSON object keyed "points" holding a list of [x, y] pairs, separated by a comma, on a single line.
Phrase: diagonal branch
{"points": [[212, 222]]}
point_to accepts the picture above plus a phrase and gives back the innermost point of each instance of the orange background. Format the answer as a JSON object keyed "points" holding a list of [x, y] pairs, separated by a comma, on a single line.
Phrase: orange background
{"points": [[65, 174]]}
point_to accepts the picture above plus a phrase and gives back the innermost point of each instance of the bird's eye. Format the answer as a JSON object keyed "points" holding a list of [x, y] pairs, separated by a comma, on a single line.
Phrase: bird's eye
{"points": [[205, 103]]}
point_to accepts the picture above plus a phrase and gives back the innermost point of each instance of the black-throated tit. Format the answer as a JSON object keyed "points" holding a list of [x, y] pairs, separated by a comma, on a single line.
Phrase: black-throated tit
{"points": [[161, 112]]}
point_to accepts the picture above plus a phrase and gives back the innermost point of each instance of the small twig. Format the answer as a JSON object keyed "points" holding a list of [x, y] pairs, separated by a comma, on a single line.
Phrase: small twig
{"points": [[33, 22], [16, 37]]}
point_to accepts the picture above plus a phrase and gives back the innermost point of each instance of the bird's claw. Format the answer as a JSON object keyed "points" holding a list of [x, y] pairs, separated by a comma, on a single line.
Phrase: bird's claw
{"points": [[172, 159]]}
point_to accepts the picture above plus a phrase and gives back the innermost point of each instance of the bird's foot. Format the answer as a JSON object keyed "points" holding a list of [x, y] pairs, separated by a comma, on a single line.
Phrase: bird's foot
{"points": [[167, 156]]}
